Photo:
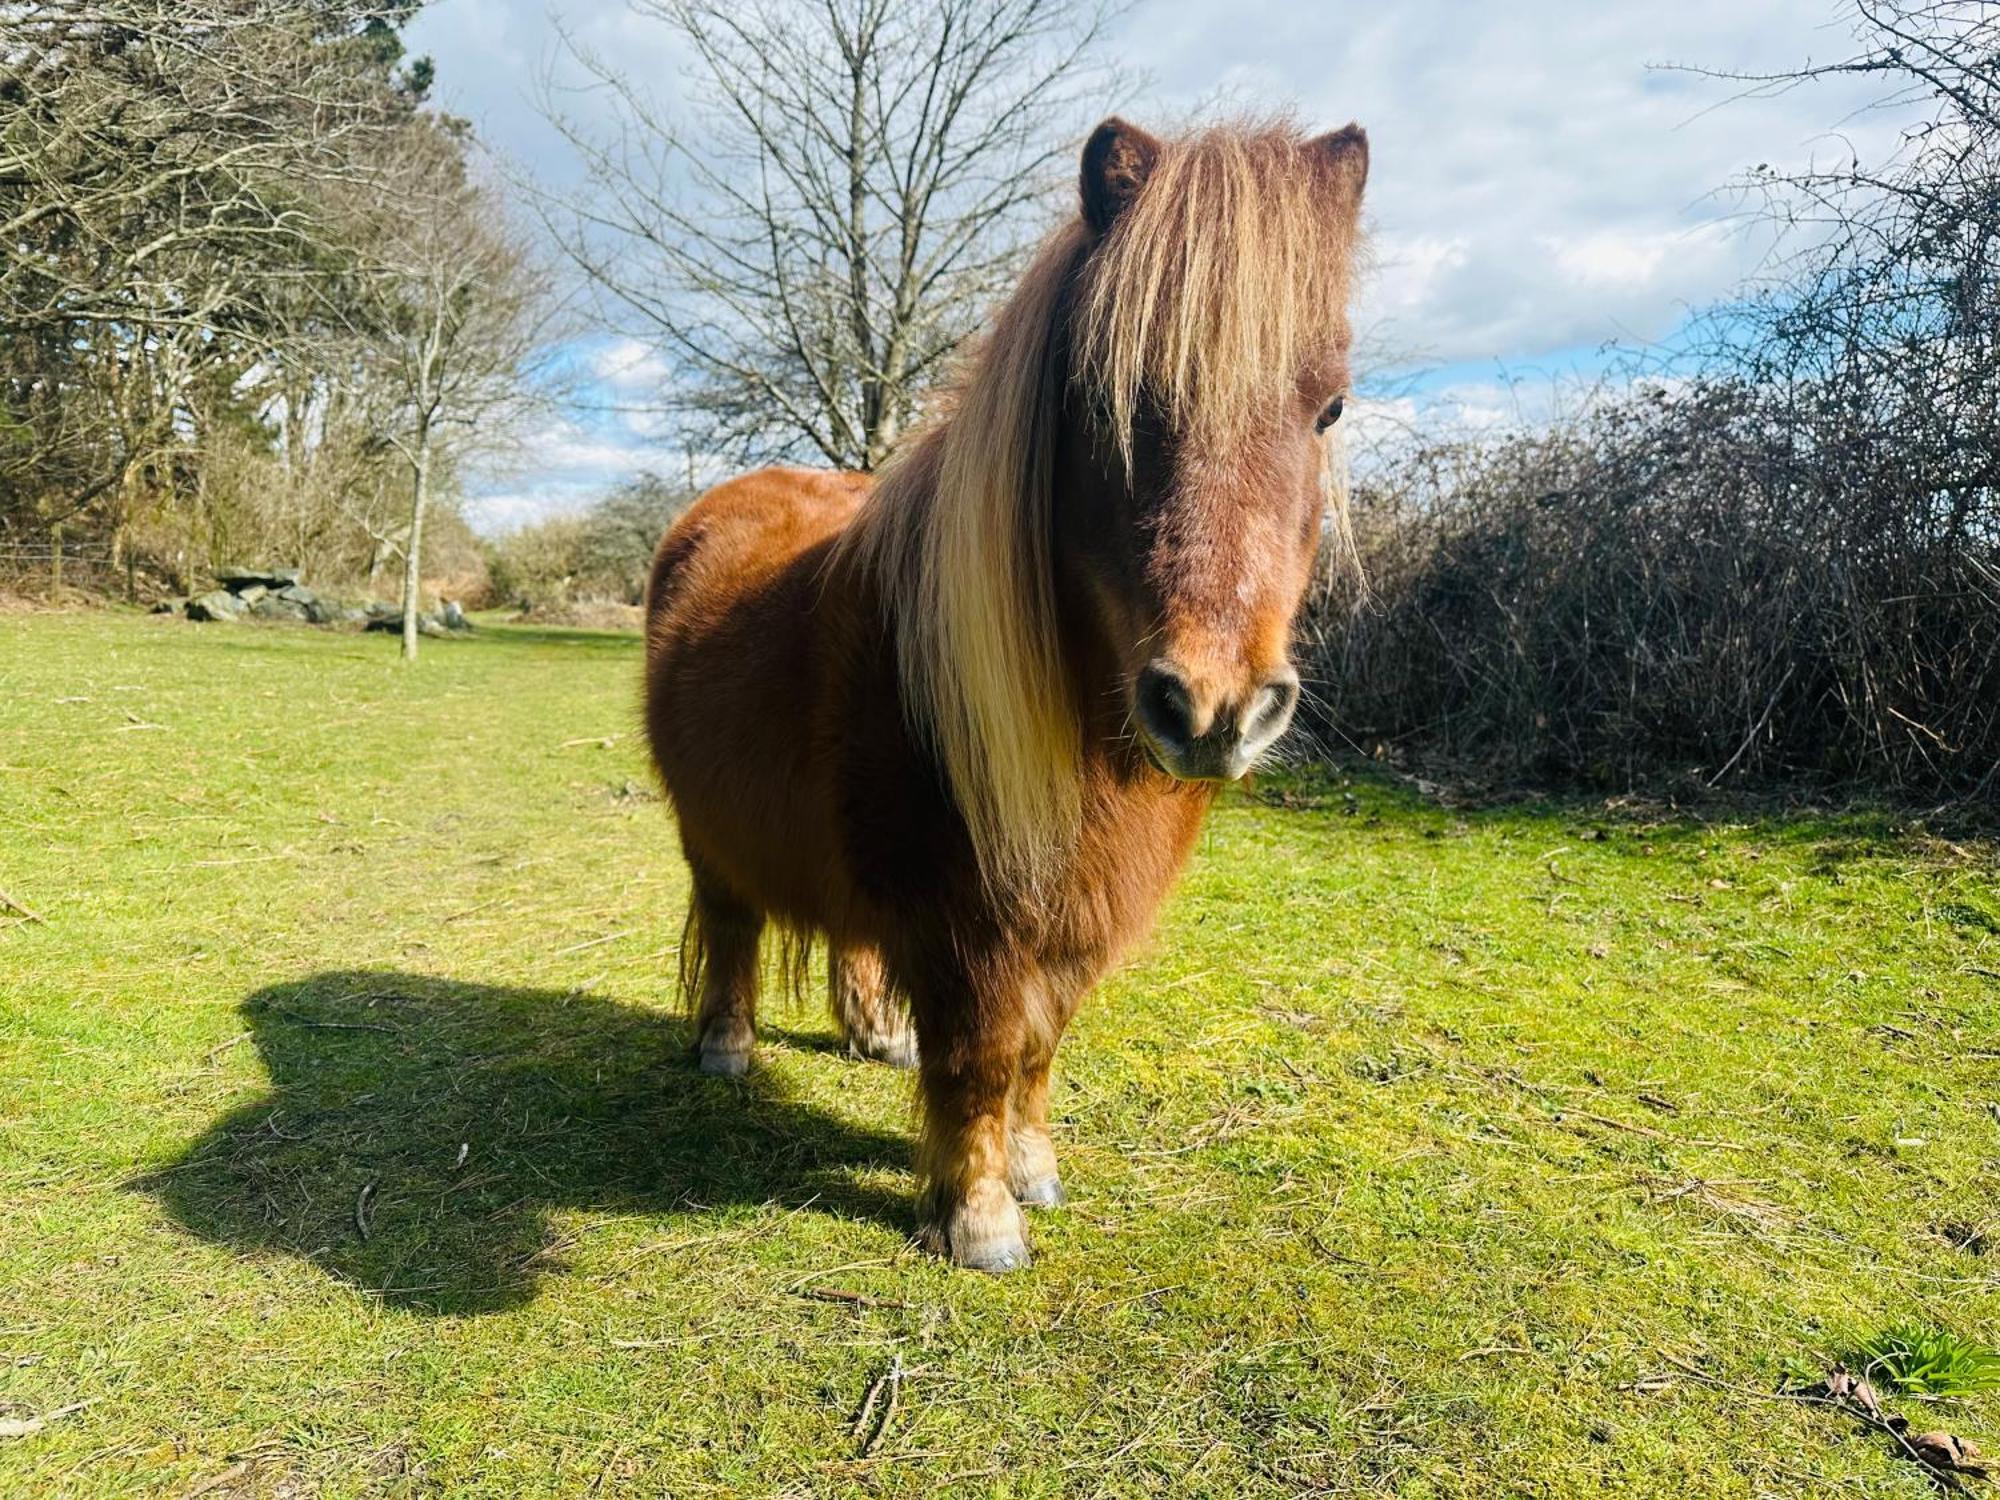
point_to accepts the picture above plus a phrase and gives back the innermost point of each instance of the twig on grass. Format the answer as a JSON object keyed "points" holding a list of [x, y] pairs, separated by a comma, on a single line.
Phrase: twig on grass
{"points": [[854, 1299], [221, 1047], [1646, 1130], [1854, 1409], [362, 1205], [216, 1481], [298, 1020], [14, 904], [609, 937], [890, 1379]]}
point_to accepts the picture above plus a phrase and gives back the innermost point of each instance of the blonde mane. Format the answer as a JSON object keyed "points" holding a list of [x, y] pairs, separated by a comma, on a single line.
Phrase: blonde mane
{"points": [[1224, 279]]}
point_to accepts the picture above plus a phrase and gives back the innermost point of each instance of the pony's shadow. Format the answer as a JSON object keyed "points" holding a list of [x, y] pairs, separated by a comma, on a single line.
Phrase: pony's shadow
{"points": [[418, 1131]]}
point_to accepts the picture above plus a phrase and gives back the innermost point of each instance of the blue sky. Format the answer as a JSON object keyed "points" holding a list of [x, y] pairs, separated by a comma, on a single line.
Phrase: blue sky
{"points": [[1541, 185]]}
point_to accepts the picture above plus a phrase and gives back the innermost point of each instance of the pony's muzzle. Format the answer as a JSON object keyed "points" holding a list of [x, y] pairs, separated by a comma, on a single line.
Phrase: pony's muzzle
{"points": [[1199, 734]]}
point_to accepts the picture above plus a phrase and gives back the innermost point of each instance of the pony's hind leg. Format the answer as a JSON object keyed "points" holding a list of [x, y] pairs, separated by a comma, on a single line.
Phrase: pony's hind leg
{"points": [[870, 1020], [724, 933]]}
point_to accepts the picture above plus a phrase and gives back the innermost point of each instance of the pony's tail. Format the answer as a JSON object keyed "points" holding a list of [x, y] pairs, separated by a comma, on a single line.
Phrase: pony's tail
{"points": [[790, 957], [691, 966]]}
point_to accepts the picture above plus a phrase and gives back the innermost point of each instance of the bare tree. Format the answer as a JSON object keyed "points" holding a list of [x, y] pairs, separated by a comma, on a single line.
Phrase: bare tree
{"points": [[452, 315], [857, 180], [156, 156], [160, 162], [1893, 290]]}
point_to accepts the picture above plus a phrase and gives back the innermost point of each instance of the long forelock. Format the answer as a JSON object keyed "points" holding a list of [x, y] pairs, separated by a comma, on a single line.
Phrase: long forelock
{"points": [[1225, 278]]}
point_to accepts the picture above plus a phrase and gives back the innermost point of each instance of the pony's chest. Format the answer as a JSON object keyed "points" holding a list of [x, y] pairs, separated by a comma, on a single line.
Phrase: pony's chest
{"points": [[1132, 847]]}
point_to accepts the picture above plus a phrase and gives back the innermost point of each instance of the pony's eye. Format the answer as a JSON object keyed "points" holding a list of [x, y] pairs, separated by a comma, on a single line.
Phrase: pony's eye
{"points": [[1331, 414]]}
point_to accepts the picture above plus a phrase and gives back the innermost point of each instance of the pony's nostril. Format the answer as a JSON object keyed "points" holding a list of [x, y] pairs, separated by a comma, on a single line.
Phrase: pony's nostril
{"points": [[1271, 709], [1165, 709]]}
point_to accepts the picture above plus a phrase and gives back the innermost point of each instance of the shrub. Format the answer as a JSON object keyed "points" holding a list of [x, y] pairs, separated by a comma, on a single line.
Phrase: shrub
{"points": [[1737, 578]]}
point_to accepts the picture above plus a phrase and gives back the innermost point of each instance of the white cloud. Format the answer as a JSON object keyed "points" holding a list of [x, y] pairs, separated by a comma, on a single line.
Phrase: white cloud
{"points": [[503, 511], [1611, 257], [1409, 272], [1537, 186], [628, 365], [561, 467]]}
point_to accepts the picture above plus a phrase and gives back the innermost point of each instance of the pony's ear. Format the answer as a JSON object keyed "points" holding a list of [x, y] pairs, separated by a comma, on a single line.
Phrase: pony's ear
{"points": [[1117, 160], [1346, 151]]}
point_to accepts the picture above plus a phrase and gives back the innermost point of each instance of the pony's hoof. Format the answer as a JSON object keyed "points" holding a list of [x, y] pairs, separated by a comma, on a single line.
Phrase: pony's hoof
{"points": [[898, 1051], [996, 1259], [722, 1061], [1043, 1192], [984, 1233]]}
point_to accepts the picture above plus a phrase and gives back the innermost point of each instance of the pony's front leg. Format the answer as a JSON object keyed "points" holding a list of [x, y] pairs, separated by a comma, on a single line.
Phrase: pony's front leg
{"points": [[1050, 999], [1032, 1176], [968, 1059]]}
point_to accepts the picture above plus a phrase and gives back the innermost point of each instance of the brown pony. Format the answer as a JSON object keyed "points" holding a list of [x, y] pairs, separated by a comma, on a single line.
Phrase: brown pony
{"points": [[964, 723]]}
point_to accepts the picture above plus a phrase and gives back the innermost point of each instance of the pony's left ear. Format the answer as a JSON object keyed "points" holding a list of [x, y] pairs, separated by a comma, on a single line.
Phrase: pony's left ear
{"points": [[1346, 150], [1117, 160]]}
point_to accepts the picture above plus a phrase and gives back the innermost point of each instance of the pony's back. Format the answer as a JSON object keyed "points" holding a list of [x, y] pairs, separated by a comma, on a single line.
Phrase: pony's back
{"points": [[743, 527]]}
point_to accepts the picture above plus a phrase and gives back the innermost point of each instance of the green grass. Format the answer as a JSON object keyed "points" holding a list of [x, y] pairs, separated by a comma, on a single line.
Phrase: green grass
{"points": [[1927, 1362], [1424, 1151]]}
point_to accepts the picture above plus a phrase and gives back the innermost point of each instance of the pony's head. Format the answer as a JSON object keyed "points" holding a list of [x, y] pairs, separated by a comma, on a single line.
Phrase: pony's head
{"points": [[1208, 364], [1132, 472]]}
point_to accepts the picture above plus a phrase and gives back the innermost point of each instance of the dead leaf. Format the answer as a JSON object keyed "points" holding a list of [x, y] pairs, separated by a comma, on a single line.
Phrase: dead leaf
{"points": [[214, 1482], [20, 1427], [1948, 1452], [1843, 1385]]}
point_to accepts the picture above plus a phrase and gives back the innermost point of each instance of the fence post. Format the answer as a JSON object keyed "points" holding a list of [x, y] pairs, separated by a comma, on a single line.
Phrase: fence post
{"points": [[55, 563]]}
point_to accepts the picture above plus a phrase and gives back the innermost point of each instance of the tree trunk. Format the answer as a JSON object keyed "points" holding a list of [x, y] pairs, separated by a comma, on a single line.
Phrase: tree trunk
{"points": [[413, 551]]}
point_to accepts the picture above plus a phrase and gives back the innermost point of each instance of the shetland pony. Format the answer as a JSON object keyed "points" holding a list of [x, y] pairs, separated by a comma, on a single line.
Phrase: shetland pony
{"points": [[963, 722]]}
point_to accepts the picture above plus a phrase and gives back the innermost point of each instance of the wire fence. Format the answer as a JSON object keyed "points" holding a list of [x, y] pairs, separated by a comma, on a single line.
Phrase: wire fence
{"points": [[52, 564]]}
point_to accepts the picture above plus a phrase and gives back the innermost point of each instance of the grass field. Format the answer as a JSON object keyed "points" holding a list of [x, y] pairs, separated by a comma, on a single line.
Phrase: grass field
{"points": [[348, 1143]]}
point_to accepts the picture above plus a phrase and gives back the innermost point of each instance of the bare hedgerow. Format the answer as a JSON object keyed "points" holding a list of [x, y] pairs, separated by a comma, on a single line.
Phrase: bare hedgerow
{"points": [[1789, 566], [1735, 578]]}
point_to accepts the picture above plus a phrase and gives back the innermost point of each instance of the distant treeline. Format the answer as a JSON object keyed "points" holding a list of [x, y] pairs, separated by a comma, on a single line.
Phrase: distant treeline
{"points": [[601, 555], [258, 303]]}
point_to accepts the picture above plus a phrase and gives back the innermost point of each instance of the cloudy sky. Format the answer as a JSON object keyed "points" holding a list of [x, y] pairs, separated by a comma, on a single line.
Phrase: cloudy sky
{"points": [[1543, 181]]}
